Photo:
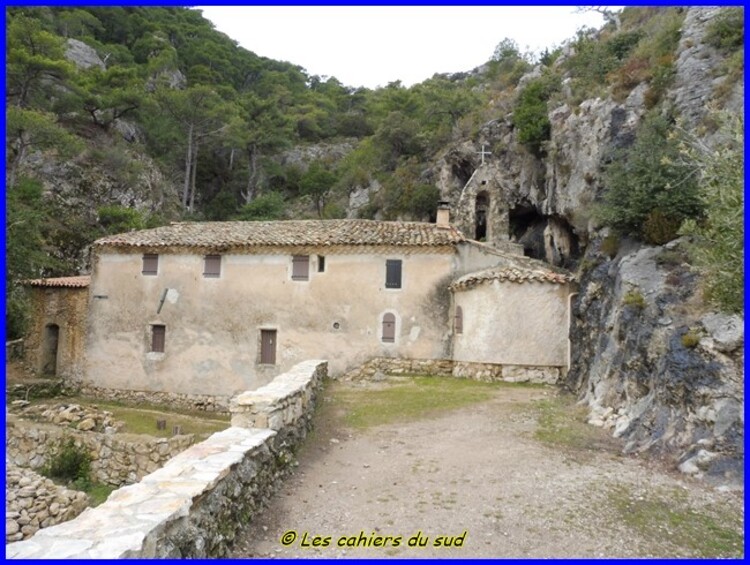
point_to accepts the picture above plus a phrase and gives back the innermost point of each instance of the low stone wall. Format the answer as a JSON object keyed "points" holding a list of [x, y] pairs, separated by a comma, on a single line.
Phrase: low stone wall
{"points": [[203, 402], [486, 372], [85, 418], [196, 503], [36, 388], [33, 502], [490, 372], [397, 366], [279, 404], [115, 459]]}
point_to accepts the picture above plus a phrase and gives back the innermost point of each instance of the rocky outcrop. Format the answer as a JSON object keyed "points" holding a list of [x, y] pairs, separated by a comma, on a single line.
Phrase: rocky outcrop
{"points": [[302, 155], [695, 68], [100, 176], [82, 55], [651, 361], [654, 366]]}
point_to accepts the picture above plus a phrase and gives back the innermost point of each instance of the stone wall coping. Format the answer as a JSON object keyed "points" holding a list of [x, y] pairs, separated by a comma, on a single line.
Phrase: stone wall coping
{"points": [[138, 520], [294, 381], [127, 523]]}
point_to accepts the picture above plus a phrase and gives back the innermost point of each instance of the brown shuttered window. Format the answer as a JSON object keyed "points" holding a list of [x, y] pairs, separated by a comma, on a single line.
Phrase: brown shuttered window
{"points": [[389, 328], [212, 266], [268, 347], [393, 273], [300, 267], [459, 323], [158, 338], [150, 264]]}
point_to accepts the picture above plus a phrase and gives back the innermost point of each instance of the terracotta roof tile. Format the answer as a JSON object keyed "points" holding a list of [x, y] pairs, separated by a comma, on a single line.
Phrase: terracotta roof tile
{"points": [[65, 282], [515, 274], [238, 234]]}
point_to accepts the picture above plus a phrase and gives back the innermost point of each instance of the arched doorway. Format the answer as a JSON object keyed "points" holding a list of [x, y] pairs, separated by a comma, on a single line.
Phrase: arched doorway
{"points": [[481, 209], [49, 350]]}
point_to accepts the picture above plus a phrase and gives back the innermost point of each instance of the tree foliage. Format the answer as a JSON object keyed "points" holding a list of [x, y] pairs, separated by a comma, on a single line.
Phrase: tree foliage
{"points": [[530, 115], [719, 247], [649, 194]]}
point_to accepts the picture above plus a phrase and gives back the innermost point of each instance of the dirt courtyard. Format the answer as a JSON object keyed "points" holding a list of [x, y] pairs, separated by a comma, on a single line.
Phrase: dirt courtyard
{"points": [[515, 474]]}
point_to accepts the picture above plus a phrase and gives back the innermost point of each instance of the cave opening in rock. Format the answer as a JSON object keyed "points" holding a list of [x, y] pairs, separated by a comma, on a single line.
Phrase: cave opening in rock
{"points": [[463, 171], [549, 238], [480, 216]]}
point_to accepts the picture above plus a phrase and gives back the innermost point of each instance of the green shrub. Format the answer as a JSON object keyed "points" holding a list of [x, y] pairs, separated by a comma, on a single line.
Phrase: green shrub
{"points": [[727, 30], [719, 238], [530, 116], [265, 207], [660, 228], [69, 462], [634, 299], [119, 219], [649, 192], [610, 245], [690, 339], [670, 258]]}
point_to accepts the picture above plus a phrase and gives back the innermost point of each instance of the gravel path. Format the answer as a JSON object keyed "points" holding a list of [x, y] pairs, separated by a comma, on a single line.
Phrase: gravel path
{"points": [[479, 478]]}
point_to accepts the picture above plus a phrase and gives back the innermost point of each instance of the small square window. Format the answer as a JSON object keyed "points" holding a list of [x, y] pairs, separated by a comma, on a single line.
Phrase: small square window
{"points": [[158, 338], [150, 264], [212, 266], [321, 264], [300, 267]]}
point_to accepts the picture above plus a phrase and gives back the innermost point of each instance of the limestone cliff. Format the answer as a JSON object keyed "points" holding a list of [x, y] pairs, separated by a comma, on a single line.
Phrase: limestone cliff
{"points": [[650, 359]]}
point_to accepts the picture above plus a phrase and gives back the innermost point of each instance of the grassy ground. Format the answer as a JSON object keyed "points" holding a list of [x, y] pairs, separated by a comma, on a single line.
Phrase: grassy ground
{"points": [[562, 423], [666, 515], [405, 399]]}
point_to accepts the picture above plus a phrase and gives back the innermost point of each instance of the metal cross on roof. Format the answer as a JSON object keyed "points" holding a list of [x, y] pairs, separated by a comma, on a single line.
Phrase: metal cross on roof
{"points": [[483, 153]]}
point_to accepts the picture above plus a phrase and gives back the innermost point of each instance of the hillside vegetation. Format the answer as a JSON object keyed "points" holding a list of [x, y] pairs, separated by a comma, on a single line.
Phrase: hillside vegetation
{"points": [[173, 120]]}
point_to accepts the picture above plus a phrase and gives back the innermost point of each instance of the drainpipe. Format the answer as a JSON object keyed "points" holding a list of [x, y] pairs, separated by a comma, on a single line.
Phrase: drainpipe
{"points": [[570, 319]]}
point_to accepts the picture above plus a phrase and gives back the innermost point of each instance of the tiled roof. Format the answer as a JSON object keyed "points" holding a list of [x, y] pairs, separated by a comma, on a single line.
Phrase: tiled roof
{"points": [[65, 282], [227, 235], [514, 274]]}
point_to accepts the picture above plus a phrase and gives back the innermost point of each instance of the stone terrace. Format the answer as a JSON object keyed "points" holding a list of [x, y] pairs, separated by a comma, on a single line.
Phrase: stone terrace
{"points": [[194, 505]]}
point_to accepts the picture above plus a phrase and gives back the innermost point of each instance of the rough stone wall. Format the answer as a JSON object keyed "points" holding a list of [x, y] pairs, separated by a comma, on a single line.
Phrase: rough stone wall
{"points": [[280, 403], [117, 459], [204, 402], [67, 308], [377, 368], [196, 503], [492, 372], [33, 502], [85, 418], [396, 366]]}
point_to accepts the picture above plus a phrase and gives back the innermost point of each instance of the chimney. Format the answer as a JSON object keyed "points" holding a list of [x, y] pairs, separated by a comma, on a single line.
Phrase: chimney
{"points": [[443, 214]]}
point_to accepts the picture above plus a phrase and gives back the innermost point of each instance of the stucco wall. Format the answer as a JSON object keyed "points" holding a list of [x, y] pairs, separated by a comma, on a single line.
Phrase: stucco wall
{"points": [[213, 325], [474, 256], [525, 325], [66, 308]]}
